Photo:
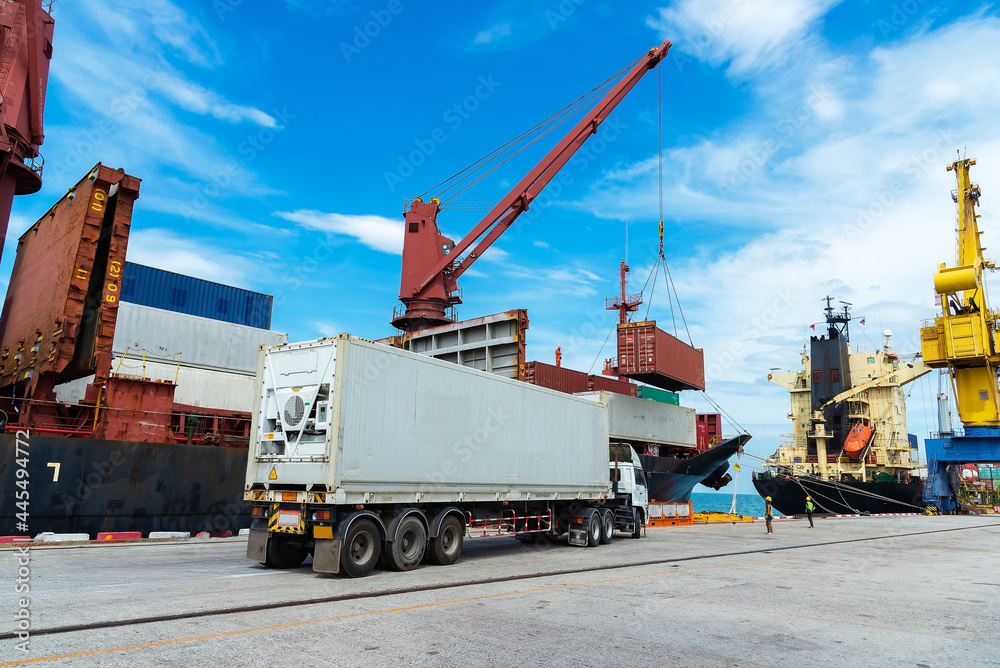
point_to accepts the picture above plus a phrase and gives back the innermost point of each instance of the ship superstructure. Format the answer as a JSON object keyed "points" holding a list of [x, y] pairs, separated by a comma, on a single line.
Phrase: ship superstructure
{"points": [[848, 414]]}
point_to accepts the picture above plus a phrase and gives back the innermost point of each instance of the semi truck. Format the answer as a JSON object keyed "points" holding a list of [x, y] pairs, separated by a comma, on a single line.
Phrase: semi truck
{"points": [[363, 452]]}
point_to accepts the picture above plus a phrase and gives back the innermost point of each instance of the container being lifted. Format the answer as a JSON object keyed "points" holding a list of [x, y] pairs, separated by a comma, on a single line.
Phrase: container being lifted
{"points": [[649, 355]]}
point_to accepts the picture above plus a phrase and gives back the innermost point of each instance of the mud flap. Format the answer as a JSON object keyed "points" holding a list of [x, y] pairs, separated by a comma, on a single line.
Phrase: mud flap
{"points": [[257, 545], [326, 557]]}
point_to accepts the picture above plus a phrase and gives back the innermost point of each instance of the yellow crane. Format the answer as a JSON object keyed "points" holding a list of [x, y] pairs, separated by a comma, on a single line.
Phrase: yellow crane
{"points": [[962, 339]]}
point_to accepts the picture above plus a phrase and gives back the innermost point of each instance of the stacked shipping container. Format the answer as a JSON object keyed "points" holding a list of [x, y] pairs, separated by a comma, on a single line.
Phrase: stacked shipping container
{"points": [[571, 381], [148, 286]]}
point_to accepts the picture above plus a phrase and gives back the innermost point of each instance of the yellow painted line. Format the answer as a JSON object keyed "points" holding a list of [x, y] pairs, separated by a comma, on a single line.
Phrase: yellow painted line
{"points": [[277, 627]]}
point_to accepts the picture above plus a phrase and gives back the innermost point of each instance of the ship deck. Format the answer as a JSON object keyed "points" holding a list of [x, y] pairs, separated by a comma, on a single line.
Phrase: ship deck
{"points": [[852, 591]]}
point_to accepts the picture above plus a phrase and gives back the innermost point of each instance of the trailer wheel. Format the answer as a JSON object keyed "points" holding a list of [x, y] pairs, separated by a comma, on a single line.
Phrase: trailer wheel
{"points": [[359, 553], [607, 526], [636, 523], [446, 548], [594, 530], [407, 551], [284, 551]]}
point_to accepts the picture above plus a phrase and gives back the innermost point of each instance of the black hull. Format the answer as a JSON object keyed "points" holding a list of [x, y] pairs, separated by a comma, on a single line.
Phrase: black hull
{"points": [[672, 480], [124, 486], [788, 495]]}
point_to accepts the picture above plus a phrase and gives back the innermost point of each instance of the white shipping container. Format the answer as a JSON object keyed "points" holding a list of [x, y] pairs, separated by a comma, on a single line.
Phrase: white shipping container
{"points": [[643, 421], [201, 342], [374, 424]]}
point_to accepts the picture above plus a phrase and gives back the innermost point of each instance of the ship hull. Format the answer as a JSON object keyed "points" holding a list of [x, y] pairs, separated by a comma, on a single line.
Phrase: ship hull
{"points": [[85, 485], [788, 495], [670, 479]]}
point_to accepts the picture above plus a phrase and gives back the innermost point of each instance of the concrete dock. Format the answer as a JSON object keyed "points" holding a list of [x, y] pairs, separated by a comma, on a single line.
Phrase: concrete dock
{"points": [[888, 591]]}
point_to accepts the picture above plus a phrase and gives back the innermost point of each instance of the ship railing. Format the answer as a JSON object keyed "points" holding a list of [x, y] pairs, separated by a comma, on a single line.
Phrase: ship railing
{"points": [[57, 418], [957, 431]]}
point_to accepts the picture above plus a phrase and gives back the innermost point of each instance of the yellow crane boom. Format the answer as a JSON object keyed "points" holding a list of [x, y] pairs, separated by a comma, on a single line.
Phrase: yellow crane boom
{"points": [[962, 339]]}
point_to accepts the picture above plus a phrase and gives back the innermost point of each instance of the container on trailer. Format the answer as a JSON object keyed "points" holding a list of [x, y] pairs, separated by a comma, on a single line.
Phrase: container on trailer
{"points": [[640, 421], [656, 394], [650, 355], [149, 286], [363, 423]]}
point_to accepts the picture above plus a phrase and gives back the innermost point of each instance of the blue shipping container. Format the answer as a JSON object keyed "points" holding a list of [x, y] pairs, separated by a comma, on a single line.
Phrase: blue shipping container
{"points": [[912, 438], [148, 286]]}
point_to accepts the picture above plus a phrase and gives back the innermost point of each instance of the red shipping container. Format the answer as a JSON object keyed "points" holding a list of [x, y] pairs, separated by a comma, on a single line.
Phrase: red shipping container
{"points": [[652, 356], [612, 385], [701, 435], [556, 377], [713, 427]]}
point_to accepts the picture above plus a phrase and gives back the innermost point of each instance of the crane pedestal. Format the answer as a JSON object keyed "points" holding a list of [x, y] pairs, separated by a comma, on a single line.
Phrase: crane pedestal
{"points": [[417, 314], [979, 445]]}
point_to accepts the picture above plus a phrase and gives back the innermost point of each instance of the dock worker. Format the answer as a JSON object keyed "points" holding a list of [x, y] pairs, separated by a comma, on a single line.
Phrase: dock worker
{"points": [[768, 514], [809, 511]]}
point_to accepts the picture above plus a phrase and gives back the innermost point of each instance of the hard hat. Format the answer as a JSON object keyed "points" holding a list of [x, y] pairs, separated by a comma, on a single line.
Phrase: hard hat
{"points": [[808, 499], [767, 498]]}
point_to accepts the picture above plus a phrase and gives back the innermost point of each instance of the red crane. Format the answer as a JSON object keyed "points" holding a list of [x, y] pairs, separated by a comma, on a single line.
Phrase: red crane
{"points": [[429, 283], [25, 51]]}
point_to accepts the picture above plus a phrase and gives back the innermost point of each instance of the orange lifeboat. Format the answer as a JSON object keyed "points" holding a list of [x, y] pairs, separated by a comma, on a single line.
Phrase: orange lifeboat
{"points": [[857, 440]]}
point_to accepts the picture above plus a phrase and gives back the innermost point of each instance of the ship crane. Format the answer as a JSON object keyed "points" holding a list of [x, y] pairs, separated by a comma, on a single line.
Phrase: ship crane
{"points": [[432, 263], [962, 341]]}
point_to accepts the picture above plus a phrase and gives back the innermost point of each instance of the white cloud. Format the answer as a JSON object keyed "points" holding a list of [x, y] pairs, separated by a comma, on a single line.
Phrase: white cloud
{"points": [[494, 34], [376, 232], [851, 201], [748, 35], [194, 98], [326, 327], [164, 249]]}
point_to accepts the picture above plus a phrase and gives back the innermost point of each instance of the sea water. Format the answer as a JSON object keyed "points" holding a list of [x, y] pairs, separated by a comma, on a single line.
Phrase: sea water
{"points": [[746, 504]]}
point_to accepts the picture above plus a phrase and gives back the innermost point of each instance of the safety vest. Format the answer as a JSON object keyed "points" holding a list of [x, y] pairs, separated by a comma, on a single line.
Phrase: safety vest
{"points": [[768, 513], [809, 506]]}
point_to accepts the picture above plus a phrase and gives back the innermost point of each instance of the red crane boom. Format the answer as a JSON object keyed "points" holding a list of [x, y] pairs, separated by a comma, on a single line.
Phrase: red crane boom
{"points": [[429, 282]]}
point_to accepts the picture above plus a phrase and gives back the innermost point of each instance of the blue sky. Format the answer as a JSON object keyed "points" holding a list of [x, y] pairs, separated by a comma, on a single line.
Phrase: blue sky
{"points": [[804, 146]]}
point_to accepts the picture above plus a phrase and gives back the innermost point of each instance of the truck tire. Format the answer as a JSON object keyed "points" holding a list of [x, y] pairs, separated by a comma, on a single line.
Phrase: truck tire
{"points": [[446, 548], [607, 526], [284, 551], [359, 553], [636, 523], [594, 530], [407, 551]]}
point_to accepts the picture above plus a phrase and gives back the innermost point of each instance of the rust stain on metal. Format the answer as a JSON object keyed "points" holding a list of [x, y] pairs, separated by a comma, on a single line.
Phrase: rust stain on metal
{"points": [[650, 355], [59, 316]]}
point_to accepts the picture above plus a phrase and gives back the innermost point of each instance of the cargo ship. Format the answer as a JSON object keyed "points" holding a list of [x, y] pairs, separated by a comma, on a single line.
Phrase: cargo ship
{"points": [[849, 450], [126, 389]]}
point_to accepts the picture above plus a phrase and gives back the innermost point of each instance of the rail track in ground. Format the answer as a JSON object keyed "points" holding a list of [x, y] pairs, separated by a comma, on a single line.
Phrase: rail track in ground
{"points": [[277, 605]]}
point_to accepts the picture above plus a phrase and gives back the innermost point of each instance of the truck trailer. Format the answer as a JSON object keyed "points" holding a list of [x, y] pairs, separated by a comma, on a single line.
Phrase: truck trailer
{"points": [[361, 451]]}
